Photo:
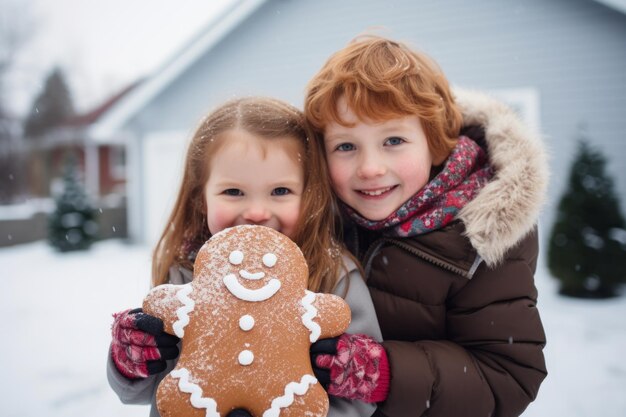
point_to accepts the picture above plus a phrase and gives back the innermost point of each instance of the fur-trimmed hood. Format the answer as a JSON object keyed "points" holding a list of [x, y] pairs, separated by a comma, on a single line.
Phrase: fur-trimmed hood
{"points": [[507, 208]]}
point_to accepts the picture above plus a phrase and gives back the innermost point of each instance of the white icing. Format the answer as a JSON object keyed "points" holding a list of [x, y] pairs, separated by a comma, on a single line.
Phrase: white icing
{"points": [[309, 314], [183, 312], [235, 257], [246, 357], [197, 400], [246, 322], [243, 293], [252, 276], [298, 388], [269, 260]]}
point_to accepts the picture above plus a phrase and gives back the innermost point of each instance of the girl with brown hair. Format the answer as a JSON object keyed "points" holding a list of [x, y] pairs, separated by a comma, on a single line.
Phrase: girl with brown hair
{"points": [[249, 162]]}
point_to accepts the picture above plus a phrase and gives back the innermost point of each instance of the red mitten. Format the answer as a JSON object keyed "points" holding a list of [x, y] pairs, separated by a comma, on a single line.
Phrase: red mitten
{"points": [[359, 370], [140, 346]]}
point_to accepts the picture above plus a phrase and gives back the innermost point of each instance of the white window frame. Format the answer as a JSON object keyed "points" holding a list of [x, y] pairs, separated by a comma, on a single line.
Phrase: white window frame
{"points": [[525, 101], [117, 165]]}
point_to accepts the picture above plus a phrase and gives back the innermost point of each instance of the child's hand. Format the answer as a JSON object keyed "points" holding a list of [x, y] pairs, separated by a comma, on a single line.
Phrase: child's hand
{"points": [[327, 347], [356, 367], [140, 346]]}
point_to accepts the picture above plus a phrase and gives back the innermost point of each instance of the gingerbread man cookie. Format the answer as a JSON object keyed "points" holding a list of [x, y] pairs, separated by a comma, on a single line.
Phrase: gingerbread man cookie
{"points": [[246, 322]]}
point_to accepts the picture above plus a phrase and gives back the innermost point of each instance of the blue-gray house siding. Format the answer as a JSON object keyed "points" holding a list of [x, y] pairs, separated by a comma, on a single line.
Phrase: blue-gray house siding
{"points": [[571, 52]]}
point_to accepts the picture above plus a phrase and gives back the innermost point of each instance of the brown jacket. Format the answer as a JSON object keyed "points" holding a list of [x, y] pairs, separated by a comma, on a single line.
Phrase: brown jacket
{"points": [[457, 307]]}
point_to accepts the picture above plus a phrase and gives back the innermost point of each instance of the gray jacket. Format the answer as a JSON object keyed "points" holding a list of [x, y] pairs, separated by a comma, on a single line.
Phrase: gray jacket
{"points": [[363, 321]]}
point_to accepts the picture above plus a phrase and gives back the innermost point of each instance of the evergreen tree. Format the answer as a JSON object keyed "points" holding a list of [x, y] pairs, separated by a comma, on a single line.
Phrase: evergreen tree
{"points": [[72, 226], [587, 248], [51, 107]]}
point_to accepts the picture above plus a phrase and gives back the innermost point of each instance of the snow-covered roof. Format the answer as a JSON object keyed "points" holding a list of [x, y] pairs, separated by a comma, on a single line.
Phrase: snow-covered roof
{"points": [[219, 28]]}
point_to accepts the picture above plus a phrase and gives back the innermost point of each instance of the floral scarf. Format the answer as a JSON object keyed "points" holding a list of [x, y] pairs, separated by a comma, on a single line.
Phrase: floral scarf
{"points": [[464, 173]]}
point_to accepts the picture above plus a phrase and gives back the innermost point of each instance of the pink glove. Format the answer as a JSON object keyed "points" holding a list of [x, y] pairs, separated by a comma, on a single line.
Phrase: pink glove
{"points": [[359, 370], [140, 346]]}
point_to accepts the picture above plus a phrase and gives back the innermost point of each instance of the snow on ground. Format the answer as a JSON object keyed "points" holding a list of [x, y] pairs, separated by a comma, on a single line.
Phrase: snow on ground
{"points": [[58, 315]]}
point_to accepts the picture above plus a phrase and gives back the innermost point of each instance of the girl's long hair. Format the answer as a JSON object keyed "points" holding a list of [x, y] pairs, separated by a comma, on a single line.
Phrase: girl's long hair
{"points": [[186, 229]]}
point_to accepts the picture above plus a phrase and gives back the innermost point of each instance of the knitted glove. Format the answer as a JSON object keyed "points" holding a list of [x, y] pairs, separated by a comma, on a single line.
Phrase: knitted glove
{"points": [[359, 370], [321, 347], [140, 346]]}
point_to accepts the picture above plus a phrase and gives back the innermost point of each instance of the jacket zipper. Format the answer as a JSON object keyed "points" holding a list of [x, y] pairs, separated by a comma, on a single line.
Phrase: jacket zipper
{"points": [[416, 252]]}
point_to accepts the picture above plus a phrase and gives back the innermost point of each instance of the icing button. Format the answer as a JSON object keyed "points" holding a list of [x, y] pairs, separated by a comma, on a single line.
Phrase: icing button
{"points": [[246, 322], [246, 357]]}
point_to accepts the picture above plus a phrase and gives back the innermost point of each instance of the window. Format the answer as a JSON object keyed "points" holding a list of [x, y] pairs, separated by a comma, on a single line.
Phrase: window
{"points": [[117, 162], [525, 102]]}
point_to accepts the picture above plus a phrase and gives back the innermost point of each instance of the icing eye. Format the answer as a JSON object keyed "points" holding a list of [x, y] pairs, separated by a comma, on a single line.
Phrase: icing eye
{"points": [[235, 257], [269, 260]]}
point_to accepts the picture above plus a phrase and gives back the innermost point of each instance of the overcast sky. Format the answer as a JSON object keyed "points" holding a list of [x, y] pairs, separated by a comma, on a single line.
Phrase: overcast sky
{"points": [[102, 45]]}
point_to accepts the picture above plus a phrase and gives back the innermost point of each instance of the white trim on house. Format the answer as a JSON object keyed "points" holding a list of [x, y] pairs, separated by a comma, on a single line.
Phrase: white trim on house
{"points": [[117, 162], [133, 102], [619, 5], [92, 168], [163, 156]]}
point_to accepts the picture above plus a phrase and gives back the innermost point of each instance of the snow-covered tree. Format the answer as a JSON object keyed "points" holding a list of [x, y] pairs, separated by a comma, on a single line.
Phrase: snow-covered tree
{"points": [[587, 248], [51, 107], [72, 226]]}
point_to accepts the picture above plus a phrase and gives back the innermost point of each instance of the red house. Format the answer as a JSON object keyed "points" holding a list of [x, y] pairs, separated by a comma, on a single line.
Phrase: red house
{"points": [[102, 163]]}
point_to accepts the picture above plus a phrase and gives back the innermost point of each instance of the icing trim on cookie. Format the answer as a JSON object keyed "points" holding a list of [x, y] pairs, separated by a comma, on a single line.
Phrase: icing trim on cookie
{"points": [[197, 400], [246, 294], [309, 314], [298, 388], [183, 312]]}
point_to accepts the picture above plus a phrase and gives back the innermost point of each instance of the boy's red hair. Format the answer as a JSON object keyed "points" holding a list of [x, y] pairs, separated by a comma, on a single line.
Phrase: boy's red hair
{"points": [[381, 80]]}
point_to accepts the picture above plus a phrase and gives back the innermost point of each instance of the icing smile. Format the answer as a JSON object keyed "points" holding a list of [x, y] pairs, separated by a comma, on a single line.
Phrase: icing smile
{"points": [[252, 276], [246, 294]]}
